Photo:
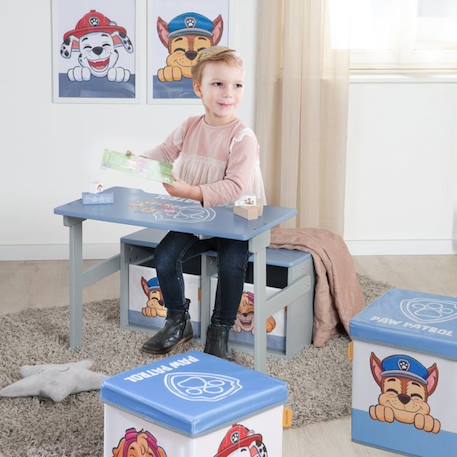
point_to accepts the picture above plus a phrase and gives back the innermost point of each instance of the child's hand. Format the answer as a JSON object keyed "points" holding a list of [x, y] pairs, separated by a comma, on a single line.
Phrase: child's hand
{"points": [[183, 190], [178, 189]]}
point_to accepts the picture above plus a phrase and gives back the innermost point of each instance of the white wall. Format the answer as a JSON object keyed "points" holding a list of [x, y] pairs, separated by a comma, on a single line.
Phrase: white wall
{"points": [[401, 174], [49, 151], [402, 148]]}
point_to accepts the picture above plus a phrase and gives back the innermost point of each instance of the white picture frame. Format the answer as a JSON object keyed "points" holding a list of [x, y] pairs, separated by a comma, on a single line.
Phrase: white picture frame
{"points": [[160, 15], [94, 51]]}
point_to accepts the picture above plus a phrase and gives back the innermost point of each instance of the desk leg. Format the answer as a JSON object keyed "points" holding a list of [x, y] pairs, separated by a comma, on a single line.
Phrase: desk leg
{"points": [[257, 246], [208, 268], [76, 286], [124, 285]]}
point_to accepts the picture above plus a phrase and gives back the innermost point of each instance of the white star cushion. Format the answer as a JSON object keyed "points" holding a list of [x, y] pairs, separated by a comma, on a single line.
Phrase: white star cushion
{"points": [[55, 381]]}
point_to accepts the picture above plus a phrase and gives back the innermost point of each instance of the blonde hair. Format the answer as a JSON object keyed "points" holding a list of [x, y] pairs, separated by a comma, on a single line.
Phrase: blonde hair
{"points": [[214, 54]]}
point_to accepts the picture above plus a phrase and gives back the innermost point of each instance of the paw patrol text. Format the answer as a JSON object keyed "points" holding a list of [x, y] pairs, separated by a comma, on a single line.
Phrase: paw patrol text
{"points": [[142, 375], [422, 327]]}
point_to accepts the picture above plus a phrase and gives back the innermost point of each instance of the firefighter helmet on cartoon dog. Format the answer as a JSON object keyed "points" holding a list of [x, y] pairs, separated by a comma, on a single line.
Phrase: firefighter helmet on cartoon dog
{"points": [[94, 21], [237, 437]]}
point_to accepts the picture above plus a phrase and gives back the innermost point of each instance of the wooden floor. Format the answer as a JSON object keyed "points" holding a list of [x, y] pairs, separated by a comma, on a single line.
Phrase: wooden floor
{"points": [[43, 284]]}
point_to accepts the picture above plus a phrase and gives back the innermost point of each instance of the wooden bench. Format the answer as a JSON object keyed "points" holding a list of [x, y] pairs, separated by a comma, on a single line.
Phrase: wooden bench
{"points": [[290, 271]]}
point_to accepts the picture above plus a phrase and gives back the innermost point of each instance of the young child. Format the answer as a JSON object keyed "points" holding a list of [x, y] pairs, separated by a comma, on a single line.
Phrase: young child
{"points": [[218, 163]]}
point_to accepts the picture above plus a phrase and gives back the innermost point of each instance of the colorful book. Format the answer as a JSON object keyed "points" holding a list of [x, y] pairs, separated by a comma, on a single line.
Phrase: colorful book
{"points": [[147, 168]]}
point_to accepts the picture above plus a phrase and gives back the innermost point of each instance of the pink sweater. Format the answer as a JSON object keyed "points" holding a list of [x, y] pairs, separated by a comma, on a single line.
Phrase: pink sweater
{"points": [[222, 160]]}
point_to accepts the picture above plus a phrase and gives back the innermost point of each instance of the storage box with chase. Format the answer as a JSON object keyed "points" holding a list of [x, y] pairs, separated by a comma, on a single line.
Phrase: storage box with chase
{"points": [[404, 396], [146, 306], [141, 296], [193, 405]]}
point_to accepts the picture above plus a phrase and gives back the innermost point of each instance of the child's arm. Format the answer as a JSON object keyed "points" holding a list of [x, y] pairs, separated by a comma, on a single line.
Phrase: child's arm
{"points": [[239, 173], [183, 190], [170, 149]]}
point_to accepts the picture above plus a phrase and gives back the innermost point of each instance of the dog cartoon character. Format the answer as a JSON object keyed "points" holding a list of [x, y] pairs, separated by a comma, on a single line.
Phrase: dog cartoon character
{"points": [[154, 306], [184, 37], [405, 386], [242, 442], [96, 38], [138, 444], [244, 321]]}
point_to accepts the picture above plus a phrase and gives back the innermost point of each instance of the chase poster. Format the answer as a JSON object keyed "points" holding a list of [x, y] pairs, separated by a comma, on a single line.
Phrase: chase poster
{"points": [[94, 50], [178, 31]]}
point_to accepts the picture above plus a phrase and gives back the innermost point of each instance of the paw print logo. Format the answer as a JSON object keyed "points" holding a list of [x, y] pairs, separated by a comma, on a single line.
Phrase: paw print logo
{"points": [[201, 386], [429, 311], [94, 21], [190, 22], [403, 365], [235, 437], [433, 310], [186, 214]]}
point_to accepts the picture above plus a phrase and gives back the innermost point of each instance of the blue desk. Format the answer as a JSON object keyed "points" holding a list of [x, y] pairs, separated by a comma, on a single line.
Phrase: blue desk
{"points": [[162, 212]]}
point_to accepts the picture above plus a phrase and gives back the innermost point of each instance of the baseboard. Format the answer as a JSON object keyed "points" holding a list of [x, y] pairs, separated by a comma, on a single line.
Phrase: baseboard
{"points": [[20, 252], [402, 247]]}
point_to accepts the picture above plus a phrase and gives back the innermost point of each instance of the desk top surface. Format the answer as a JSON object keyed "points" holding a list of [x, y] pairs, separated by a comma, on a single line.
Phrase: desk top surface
{"points": [[136, 207]]}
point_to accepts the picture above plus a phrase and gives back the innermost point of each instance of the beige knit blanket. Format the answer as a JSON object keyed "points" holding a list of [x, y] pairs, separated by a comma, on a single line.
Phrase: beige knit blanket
{"points": [[338, 296]]}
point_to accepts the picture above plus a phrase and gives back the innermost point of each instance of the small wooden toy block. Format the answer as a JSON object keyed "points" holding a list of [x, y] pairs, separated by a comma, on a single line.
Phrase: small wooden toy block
{"points": [[95, 194], [248, 207], [98, 198], [248, 212], [94, 187]]}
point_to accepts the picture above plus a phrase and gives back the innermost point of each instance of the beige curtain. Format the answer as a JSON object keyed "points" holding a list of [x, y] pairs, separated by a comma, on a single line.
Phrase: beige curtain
{"points": [[301, 111]]}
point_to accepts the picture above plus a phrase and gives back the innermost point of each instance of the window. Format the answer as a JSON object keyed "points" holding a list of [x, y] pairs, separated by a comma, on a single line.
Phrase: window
{"points": [[396, 34]]}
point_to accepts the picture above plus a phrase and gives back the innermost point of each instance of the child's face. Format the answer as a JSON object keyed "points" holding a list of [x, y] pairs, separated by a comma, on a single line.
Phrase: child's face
{"points": [[221, 90]]}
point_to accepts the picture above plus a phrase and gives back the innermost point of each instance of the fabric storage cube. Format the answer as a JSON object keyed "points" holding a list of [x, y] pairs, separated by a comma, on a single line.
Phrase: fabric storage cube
{"points": [[283, 268], [193, 405], [404, 396], [242, 332], [146, 302]]}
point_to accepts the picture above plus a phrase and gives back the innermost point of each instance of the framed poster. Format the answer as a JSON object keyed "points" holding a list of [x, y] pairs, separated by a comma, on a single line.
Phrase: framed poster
{"points": [[177, 31], [94, 51]]}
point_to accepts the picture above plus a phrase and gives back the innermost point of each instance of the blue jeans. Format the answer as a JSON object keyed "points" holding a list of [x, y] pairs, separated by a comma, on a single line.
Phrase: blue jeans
{"points": [[232, 261]]}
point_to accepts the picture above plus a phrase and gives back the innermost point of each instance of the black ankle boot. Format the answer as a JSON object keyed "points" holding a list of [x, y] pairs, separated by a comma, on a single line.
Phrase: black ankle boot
{"points": [[217, 341], [176, 331]]}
